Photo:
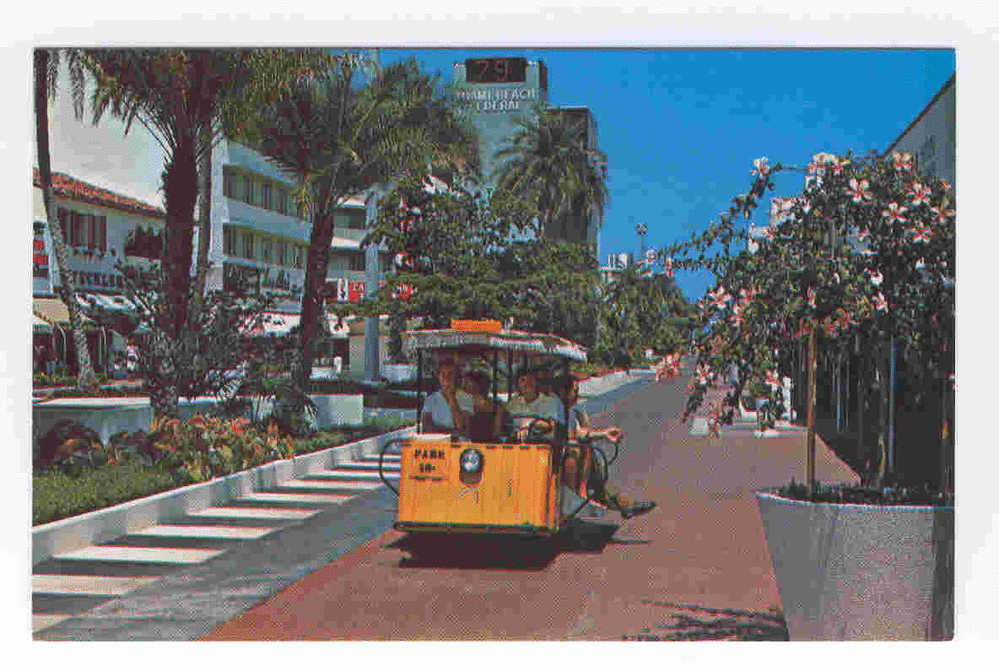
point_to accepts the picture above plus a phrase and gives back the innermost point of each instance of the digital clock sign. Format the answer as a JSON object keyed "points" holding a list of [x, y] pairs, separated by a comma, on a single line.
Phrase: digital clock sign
{"points": [[496, 70]]}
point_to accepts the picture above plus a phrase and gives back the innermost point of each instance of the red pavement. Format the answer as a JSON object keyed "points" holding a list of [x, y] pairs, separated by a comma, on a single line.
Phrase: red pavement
{"points": [[702, 550]]}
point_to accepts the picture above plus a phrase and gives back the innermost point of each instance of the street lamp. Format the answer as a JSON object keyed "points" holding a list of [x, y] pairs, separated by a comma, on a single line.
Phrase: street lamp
{"points": [[642, 230]]}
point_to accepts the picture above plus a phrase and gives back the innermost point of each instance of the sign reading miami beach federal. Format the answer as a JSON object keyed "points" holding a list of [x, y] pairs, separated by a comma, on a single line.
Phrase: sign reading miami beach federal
{"points": [[493, 93]]}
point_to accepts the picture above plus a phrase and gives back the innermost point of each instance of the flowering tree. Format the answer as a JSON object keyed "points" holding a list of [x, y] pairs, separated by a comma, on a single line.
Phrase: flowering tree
{"points": [[867, 249]]}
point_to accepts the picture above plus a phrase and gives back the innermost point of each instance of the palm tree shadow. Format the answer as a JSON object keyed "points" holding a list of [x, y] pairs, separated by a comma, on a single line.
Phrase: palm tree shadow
{"points": [[699, 623], [457, 551]]}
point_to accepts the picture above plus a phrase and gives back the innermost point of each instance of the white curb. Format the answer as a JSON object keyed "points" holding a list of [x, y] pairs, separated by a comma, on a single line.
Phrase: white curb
{"points": [[110, 523]]}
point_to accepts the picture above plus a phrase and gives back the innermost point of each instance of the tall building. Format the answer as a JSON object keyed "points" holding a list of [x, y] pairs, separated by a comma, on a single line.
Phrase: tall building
{"points": [[494, 93]]}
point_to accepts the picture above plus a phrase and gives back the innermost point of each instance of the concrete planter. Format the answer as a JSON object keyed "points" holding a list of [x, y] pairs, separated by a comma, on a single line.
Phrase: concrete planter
{"points": [[398, 372], [339, 409], [862, 572]]}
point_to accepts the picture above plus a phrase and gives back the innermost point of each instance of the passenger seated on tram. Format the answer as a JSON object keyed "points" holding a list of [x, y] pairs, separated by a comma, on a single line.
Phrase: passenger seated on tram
{"points": [[447, 409], [487, 419], [532, 410], [578, 462]]}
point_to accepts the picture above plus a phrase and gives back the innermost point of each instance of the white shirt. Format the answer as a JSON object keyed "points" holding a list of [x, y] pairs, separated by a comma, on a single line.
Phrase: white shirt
{"points": [[545, 406], [440, 412]]}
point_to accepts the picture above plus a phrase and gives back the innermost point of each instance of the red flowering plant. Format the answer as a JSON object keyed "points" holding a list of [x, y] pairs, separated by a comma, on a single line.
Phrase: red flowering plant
{"points": [[201, 448], [865, 251]]}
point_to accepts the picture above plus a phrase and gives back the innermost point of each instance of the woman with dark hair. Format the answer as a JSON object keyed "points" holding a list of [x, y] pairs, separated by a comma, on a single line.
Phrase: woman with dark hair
{"points": [[487, 420]]}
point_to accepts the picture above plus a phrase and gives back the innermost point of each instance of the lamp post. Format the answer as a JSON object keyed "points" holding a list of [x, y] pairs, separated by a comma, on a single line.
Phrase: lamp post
{"points": [[642, 230]]}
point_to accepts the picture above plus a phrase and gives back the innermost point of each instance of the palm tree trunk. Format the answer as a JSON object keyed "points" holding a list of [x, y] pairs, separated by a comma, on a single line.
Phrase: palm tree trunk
{"points": [[314, 290], [180, 190], [204, 215], [85, 379]]}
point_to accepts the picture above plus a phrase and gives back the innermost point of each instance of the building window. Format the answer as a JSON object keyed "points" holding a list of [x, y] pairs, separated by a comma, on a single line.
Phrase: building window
{"points": [[282, 201], [299, 257], [349, 218], [247, 245], [266, 191], [247, 189], [229, 184], [229, 241], [282, 252], [266, 246]]}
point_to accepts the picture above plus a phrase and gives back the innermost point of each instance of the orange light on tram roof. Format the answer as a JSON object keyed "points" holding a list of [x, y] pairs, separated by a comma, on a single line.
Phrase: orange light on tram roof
{"points": [[476, 325]]}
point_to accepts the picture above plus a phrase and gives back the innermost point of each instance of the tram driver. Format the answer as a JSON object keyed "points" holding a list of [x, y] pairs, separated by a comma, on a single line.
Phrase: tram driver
{"points": [[533, 410]]}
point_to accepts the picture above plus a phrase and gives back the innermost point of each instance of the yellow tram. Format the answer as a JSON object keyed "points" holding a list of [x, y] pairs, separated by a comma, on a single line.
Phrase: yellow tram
{"points": [[457, 483]]}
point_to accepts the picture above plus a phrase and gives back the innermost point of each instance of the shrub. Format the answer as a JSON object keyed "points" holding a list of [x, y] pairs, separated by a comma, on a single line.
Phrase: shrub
{"points": [[56, 494], [202, 448], [69, 445]]}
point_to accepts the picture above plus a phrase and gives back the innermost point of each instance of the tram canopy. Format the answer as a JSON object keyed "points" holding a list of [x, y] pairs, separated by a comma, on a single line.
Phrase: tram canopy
{"points": [[479, 336]]}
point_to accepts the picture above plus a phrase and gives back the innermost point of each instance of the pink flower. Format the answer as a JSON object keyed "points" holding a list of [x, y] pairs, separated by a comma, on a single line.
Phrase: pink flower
{"points": [[859, 191], [811, 297], [894, 213], [920, 194], [880, 302], [831, 326], [668, 263], [940, 215], [877, 278], [704, 375], [762, 165], [903, 161], [921, 233], [719, 298], [863, 236]]}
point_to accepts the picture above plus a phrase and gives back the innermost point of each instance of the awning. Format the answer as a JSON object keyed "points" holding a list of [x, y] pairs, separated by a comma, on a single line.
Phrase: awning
{"points": [[280, 323], [53, 310], [112, 302], [39, 325]]}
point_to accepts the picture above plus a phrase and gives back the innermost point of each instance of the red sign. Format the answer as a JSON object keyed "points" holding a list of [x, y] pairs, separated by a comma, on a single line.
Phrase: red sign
{"points": [[343, 290]]}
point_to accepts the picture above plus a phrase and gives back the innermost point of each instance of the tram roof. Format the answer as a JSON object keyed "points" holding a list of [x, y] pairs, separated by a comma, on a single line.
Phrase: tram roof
{"points": [[537, 344]]}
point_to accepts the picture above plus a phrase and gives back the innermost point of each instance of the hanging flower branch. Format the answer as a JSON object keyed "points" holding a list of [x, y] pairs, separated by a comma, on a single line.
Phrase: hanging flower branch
{"points": [[866, 244]]}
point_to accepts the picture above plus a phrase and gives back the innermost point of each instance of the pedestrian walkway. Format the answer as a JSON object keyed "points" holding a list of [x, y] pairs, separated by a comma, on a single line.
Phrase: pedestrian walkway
{"points": [[177, 580], [84, 580]]}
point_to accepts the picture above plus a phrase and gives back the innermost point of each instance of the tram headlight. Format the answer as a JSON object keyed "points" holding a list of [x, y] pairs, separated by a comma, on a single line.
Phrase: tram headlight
{"points": [[470, 461]]}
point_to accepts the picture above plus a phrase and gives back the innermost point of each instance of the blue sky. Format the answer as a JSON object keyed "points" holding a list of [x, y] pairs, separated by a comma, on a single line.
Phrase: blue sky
{"points": [[681, 127]]}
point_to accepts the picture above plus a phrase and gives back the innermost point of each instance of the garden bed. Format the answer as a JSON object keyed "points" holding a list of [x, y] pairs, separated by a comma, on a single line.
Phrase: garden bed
{"points": [[60, 494]]}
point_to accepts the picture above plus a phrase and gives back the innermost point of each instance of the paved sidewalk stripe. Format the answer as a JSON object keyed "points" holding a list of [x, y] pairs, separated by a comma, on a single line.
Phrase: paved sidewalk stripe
{"points": [[305, 498], [362, 465], [319, 484], [111, 586], [41, 621], [368, 482], [253, 512], [370, 467], [343, 484], [140, 554], [205, 531], [354, 474]]}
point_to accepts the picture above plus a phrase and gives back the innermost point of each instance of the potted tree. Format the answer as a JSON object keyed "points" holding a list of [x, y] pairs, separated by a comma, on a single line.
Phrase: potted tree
{"points": [[862, 258]]}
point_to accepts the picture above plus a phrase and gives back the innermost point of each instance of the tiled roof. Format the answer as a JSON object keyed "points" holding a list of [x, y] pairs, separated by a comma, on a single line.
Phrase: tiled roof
{"points": [[71, 188]]}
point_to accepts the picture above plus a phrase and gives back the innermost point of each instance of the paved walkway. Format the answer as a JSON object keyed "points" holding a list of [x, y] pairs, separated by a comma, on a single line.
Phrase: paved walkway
{"points": [[696, 567]]}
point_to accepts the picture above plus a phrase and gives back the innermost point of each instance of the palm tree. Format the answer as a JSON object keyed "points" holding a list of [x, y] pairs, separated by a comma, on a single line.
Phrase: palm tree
{"points": [[187, 99], [546, 161], [46, 70], [338, 139]]}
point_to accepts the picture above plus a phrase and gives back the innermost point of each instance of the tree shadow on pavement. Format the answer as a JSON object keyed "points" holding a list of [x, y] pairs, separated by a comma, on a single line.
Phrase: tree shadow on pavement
{"points": [[699, 623], [458, 551]]}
